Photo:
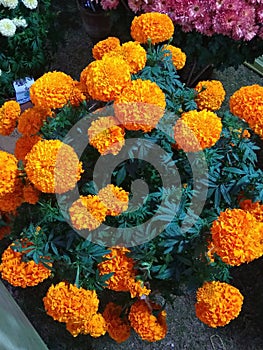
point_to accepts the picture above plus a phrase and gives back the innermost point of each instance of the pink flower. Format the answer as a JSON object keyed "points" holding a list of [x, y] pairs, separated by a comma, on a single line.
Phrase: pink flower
{"points": [[109, 4]]}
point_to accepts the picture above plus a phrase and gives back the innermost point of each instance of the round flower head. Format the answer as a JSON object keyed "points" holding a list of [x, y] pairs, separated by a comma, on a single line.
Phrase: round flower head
{"points": [[106, 135], [11, 4], [105, 46], [87, 212], [140, 106], [254, 208], [52, 166], [95, 326], [8, 173], [52, 90], [117, 326], [237, 237], [247, 103], [218, 303], [211, 94], [155, 26], [32, 120], [30, 4], [114, 198], [135, 55], [145, 324], [20, 273], [178, 56], [9, 114], [24, 144], [65, 302], [11, 201], [197, 130], [7, 27]]}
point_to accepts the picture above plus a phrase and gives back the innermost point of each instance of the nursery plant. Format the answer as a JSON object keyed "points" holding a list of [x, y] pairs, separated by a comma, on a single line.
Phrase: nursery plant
{"points": [[128, 185]]}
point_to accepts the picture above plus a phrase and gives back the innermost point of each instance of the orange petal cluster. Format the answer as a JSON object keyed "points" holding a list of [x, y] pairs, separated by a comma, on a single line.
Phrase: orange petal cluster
{"points": [[140, 106], [211, 95], [8, 173], [143, 321], [197, 130], [254, 208], [30, 194], [218, 303], [105, 46], [135, 55], [24, 145], [9, 114], [11, 201], [114, 198], [52, 166], [32, 120], [153, 25], [178, 56]]}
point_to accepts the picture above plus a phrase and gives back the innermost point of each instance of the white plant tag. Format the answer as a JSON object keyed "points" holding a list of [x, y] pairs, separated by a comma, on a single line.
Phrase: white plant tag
{"points": [[21, 87]]}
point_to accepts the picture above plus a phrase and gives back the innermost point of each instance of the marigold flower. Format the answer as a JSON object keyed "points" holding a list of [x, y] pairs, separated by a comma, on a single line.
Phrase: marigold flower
{"points": [[211, 94], [114, 198], [20, 273], [117, 326], [254, 208], [178, 56], [30, 194], [8, 173], [65, 302], [218, 303], [106, 78], [77, 95], [11, 201], [24, 145], [145, 324], [52, 90], [32, 120], [9, 114], [237, 237], [52, 166], [247, 103], [197, 130], [106, 135], [87, 212], [155, 26], [135, 55], [105, 46], [140, 106], [96, 326], [246, 134]]}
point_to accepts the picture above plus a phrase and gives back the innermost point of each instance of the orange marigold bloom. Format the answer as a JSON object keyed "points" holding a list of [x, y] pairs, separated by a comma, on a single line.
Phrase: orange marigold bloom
{"points": [[123, 279], [65, 302], [148, 326], [218, 303], [247, 103], [87, 212], [52, 166], [237, 237], [105, 46], [24, 145], [9, 114], [52, 90], [20, 273], [135, 55], [254, 208], [8, 172], [178, 56], [140, 106], [11, 201], [96, 326], [117, 326], [197, 130], [32, 120], [106, 78], [77, 95], [155, 26], [106, 135], [211, 94], [30, 194], [114, 198]]}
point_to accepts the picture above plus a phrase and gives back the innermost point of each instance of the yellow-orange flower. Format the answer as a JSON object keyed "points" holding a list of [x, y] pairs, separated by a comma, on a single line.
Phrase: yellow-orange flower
{"points": [[32, 120], [65, 302], [24, 144], [11, 201], [87, 212], [9, 114], [140, 106], [105, 46], [178, 56], [218, 303], [145, 324], [254, 208], [211, 94], [237, 237], [135, 55], [114, 198], [8, 172], [106, 135], [52, 166], [247, 103], [52, 90], [106, 78], [20, 273], [77, 95], [197, 130], [95, 326], [117, 326], [155, 26], [30, 194]]}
